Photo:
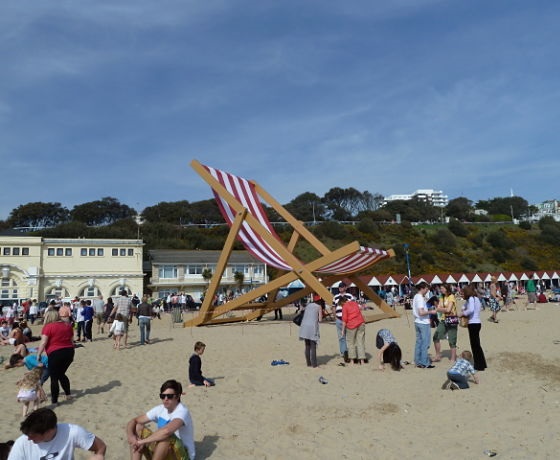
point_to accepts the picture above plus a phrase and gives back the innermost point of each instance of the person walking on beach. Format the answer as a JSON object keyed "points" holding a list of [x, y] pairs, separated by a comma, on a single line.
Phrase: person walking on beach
{"points": [[57, 343], [145, 313], [495, 298], [337, 312], [309, 330], [99, 307], [174, 432], [421, 327], [531, 290], [89, 314], [471, 310], [123, 305]]}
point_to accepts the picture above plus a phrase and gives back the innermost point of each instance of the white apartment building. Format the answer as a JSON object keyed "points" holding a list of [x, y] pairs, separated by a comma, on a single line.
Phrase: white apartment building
{"points": [[181, 271], [42, 268], [434, 197]]}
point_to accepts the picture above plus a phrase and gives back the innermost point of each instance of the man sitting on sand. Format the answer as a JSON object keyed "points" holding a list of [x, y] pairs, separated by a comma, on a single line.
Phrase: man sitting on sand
{"points": [[174, 431]]}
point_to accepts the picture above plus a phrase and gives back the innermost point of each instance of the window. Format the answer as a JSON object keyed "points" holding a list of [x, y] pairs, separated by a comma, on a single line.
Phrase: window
{"points": [[6, 251], [258, 269], [50, 251], [15, 251], [100, 252], [83, 252], [59, 251], [68, 252], [194, 269], [114, 252], [92, 252], [131, 252], [24, 251], [240, 268], [168, 271], [122, 252]]}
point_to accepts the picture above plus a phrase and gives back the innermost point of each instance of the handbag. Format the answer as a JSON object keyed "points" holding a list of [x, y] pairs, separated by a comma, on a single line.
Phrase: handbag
{"points": [[298, 318], [451, 320], [464, 322]]}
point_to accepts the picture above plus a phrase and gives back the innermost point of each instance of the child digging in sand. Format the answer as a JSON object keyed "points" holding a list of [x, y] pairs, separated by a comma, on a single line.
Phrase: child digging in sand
{"points": [[30, 392], [459, 374]]}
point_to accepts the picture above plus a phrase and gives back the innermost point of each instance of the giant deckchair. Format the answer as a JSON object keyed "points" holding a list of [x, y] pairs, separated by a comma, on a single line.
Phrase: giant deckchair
{"points": [[239, 201]]}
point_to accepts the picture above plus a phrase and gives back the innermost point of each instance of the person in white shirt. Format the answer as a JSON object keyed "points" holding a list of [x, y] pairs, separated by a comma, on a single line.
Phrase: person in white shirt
{"points": [[174, 431], [43, 438], [422, 327]]}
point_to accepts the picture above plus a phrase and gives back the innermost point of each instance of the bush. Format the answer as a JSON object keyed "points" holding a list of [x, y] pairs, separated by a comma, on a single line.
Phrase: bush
{"points": [[444, 239], [457, 228], [499, 240], [525, 225]]}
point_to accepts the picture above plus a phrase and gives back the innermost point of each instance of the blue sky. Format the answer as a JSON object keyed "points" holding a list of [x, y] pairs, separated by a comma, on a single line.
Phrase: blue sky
{"points": [[114, 98]]}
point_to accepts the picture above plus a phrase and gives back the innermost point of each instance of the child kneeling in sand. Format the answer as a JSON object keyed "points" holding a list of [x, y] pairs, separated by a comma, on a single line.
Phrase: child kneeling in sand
{"points": [[195, 368], [460, 372]]}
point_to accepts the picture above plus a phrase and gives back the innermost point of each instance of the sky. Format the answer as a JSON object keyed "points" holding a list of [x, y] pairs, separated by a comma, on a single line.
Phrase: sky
{"points": [[116, 97]]}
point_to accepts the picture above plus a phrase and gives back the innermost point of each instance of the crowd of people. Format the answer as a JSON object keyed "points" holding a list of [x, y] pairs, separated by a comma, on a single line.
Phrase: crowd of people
{"points": [[61, 333], [439, 310]]}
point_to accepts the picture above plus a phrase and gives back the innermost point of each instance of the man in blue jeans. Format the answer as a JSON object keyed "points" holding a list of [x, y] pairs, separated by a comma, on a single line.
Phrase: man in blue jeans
{"points": [[337, 310], [145, 313], [422, 327]]}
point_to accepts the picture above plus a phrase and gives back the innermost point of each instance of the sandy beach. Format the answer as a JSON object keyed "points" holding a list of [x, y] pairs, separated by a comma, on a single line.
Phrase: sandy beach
{"points": [[278, 412]]}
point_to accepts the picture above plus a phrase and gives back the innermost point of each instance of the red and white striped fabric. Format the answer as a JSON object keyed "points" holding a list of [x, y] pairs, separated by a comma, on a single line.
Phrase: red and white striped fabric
{"points": [[244, 191]]}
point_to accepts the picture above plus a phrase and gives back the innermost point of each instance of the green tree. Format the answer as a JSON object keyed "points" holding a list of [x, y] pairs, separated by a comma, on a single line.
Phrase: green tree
{"points": [[102, 212], [460, 208], [176, 212], [307, 207], [38, 214], [239, 279], [457, 228]]}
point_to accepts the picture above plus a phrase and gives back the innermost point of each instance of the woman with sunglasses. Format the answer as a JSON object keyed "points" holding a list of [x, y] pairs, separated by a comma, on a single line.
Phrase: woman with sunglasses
{"points": [[174, 431]]}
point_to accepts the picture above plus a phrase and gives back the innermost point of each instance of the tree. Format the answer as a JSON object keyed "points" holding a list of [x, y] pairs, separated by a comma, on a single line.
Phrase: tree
{"points": [[102, 212], [239, 278], [38, 214], [460, 208], [343, 204], [172, 212], [307, 207], [513, 206]]}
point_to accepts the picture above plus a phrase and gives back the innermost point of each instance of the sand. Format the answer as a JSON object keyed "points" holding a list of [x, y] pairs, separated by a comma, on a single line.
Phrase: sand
{"points": [[278, 412]]}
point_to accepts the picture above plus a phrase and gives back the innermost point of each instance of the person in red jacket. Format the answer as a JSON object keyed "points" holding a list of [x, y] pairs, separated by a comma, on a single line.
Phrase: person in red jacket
{"points": [[354, 326]]}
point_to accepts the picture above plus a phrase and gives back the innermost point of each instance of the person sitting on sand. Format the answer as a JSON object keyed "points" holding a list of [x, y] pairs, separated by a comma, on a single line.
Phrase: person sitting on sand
{"points": [[459, 374], [195, 368], [174, 431]]}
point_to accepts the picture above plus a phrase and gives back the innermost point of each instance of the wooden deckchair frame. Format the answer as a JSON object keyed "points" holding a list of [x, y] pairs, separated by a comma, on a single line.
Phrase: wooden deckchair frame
{"points": [[306, 272]]}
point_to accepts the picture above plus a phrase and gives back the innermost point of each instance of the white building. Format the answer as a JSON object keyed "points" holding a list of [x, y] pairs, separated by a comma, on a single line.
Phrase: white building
{"points": [[175, 271], [434, 197], [41, 268]]}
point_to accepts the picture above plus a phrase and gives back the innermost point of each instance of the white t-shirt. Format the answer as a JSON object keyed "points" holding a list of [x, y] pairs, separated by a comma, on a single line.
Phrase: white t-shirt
{"points": [[61, 447], [161, 417], [417, 303]]}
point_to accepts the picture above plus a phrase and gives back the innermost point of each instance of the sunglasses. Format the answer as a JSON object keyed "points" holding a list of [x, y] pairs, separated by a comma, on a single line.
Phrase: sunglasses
{"points": [[167, 396]]}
